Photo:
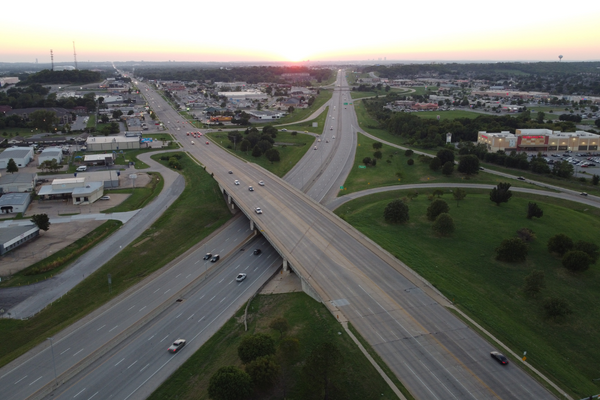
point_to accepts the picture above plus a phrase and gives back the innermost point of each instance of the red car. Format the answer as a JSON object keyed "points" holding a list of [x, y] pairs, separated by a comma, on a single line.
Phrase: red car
{"points": [[206, 142]]}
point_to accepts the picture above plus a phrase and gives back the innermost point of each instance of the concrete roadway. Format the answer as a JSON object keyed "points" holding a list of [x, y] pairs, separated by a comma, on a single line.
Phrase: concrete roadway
{"points": [[89, 338]]}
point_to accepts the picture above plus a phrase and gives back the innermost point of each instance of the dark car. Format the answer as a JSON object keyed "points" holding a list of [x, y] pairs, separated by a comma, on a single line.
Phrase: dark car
{"points": [[215, 258], [257, 252], [231, 172], [178, 344], [207, 256], [499, 357], [521, 178]]}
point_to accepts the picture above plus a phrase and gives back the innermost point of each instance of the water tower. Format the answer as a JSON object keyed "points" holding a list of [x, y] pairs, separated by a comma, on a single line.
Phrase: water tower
{"points": [[560, 58]]}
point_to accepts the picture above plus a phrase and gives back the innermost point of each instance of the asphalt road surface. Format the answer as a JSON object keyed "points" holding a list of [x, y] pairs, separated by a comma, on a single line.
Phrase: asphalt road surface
{"points": [[403, 318]]}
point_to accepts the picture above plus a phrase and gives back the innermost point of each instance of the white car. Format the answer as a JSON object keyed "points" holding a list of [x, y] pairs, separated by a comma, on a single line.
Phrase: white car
{"points": [[177, 345], [236, 182], [258, 210], [261, 183], [240, 277]]}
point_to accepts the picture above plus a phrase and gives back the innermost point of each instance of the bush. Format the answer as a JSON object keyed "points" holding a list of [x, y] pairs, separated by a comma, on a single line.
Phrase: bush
{"points": [[264, 371], [230, 383], [435, 164], [512, 250], [526, 235], [254, 346], [556, 308], [560, 244], [443, 225], [437, 207], [534, 283], [448, 168], [590, 249], [396, 212], [408, 153], [576, 261], [410, 161], [533, 210]]}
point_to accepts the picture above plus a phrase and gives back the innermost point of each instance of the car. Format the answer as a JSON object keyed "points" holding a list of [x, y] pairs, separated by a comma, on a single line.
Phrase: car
{"points": [[315, 148], [284, 130], [499, 357], [187, 134], [231, 172], [207, 143], [333, 137], [177, 345], [327, 141], [81, 168], [250, 188], [583, 193], [521, 178], [241, 276], [261, 183], [481, 169], [215, 258], [105, 198], [331, 128], [207, 256], [257, 252], [192, 142], [236, 182], [258, 210]]}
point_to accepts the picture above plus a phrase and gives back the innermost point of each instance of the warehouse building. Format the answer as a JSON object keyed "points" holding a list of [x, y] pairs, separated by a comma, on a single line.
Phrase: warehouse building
{"points": [[49, 154], [17, 183], [76, 190], [15, 236], [21, 155], [14, 203], [112, 143]]}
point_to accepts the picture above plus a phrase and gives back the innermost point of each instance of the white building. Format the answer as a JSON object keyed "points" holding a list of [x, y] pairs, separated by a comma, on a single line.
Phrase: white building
{"points": [[13, 203], [21, 155], [76, 189], [17, 183], [112, 143], [49, 154]]}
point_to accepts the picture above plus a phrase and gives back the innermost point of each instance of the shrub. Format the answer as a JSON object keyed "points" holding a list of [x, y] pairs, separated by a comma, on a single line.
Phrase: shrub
{"points": [[590, 249], [437, 207], [526, 235], [408, 153], [396, 212], [435, 164], [443, 225], [576, 261], [560, 244], [254, 346], [410, 161], [556, 308], [534, 283], [512, 250]]}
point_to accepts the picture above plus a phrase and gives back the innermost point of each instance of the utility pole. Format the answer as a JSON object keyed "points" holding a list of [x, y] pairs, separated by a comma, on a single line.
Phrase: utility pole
{"points": [[51, 60], [74, 55]]}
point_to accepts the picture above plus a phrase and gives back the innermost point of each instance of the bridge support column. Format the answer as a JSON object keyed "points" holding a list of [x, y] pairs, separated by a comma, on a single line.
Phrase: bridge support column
{"points": [[251, 225], [285, 265], [228, 199]]}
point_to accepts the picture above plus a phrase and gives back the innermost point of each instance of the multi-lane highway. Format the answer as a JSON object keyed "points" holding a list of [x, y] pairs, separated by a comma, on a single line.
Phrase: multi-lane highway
{"points": [[431, 351]]}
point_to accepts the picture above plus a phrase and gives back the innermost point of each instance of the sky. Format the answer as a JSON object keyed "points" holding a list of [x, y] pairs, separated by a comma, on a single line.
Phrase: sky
{"points": [[268, 30]]}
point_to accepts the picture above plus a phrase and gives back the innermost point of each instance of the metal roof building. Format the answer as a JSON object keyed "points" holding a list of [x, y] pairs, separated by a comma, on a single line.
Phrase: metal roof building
{"points": [[15, 236]]}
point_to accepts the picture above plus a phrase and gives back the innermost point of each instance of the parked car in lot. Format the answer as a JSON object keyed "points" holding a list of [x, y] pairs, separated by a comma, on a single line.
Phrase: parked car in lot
{"points": [[241, 276], [177, 345], [207, 256], [499, 357]]}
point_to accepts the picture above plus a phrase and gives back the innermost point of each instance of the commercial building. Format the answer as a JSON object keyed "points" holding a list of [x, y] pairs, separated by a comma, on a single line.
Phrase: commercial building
{"points": [[13, 203], [21, 155], [265, 115], [112, 143], [20, 182], [75, 189], [249, 95], [49, 154], [15, 236], [99, 159], [539, 140]]}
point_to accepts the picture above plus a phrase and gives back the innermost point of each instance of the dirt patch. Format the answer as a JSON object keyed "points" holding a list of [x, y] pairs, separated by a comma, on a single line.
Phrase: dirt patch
{"points": [[56, 238], [284, 282]]}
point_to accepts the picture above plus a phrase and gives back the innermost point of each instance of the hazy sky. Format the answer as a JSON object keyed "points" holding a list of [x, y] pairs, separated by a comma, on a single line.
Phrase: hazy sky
{"points": [[268, 30]]}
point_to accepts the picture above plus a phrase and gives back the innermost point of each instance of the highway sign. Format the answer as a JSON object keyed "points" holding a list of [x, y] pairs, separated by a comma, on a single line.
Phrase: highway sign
{"points": [[362, 166]]}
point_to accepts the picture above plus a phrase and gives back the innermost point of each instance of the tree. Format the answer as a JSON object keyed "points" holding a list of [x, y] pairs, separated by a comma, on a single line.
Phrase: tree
{"points": [[43, 119], [595, 180], [230, 383], [291, 109], [254, 346], [256, 151], [512, 250], [526, 235], [264, 371], [272, 155], [438, 193], [459, 194], [410, 161], [448, 168], [443, 225], [576, 261], [408, 153], [560, 244], [501, 193], [445, 155], [563, 169], [235, 137], [245, 146], [104, 118], [556, 308], [377, 155], [435, 164], [591, 249], [468, 164], [41, 220], [367, 161], [396, 212], [322, 364], [377, 145], [540, 117], [11, 166], [280, 324], [116, 114], [533, 210], [534, 283], [264, 145], [130, 112], [437, 207]]}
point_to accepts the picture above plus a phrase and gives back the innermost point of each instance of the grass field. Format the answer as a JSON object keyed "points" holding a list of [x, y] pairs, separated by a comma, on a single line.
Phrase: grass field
{"points": [[310, 323], [448, 114], [139, 196], [464, 268], [307, 126], [303, 113], [291, 150], [91, 121], [199, 211]]}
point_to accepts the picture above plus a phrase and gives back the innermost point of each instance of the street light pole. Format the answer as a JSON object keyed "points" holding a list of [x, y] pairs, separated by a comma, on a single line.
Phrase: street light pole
{"points": [[53, 362]]}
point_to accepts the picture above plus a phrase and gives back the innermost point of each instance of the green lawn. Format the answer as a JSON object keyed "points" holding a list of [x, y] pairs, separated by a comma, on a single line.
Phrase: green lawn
{"points": [[464, 268], [198, 212], [310, 322], [307, 126], [291, 149], [448, 114], [140, 197], [91, 121]]}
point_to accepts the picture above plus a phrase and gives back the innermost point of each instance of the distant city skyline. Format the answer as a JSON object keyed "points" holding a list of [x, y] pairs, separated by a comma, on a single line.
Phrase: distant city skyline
{"points": [[264, 31]]}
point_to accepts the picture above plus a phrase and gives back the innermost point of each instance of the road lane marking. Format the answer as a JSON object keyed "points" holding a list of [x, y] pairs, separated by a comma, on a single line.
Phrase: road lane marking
{"points": [[177, 276], [93, 395], [194, 264], [164, 339], [65, 351], [167, 291], [132, 364], [142, 308], [202, 319], [221, 280], [100, 328], [254, 269], [115, 327], [36, 380], [222, 300], [77, 352], [384, 341], [190, 317], [79, 393], [178, 315], [21, 379], [213, 298], [238, 266], [130, 307], [156, 290], [202, 297], [230, 282], [246, 267], [120, 362], [151, 337], [144, 367]]}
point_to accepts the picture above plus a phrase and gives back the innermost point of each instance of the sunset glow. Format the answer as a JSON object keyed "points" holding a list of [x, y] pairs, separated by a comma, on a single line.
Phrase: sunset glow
{"points": [[268, 31]]}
